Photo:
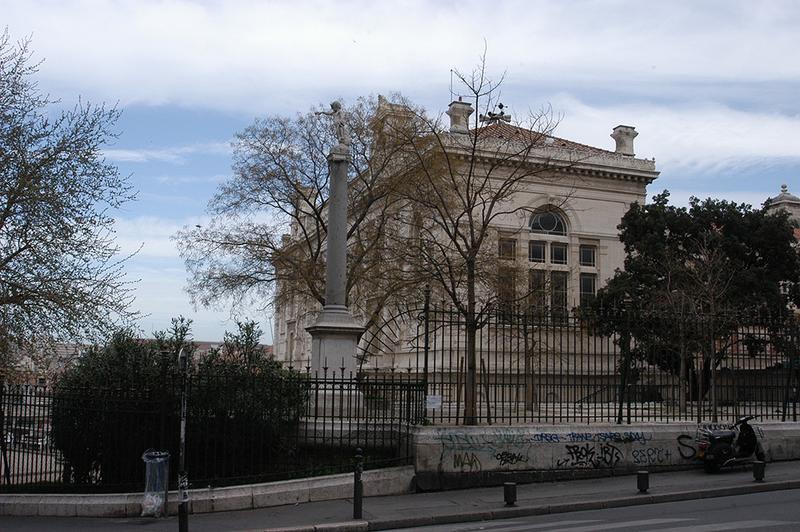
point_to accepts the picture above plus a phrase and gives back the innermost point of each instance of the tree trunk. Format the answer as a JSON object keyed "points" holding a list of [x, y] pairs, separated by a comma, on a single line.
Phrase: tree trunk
{"points": [[683, 381], [471, 388]]}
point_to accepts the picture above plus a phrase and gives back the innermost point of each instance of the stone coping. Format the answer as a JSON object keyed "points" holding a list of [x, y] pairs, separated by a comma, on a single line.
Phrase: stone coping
{"points": [[388, 481]]}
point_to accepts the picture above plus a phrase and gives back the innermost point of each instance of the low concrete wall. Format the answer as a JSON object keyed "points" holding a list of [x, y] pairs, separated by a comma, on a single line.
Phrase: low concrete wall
{"points": [[389, 481], [455, 457]]}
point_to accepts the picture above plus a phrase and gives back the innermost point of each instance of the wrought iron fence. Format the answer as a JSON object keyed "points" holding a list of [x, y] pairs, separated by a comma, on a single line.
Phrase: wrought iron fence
{"points": [[617, 365], [239, 430]]}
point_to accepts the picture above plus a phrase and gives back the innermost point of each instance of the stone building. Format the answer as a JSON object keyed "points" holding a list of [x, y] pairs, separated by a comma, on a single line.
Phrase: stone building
{"points": [[568, 238], [787, 202]]}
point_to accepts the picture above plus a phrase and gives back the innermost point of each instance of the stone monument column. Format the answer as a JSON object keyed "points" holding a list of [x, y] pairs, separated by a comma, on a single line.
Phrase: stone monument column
{"points": [[335, 334]]}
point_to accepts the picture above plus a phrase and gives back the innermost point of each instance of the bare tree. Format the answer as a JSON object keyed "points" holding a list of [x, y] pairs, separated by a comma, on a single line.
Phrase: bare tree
{"points": [[466, 195], [269, 223], [60, 273]]}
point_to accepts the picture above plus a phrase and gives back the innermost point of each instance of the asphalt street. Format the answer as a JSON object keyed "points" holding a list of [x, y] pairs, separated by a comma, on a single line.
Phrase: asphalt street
{"points": [[730, 500], [774, 511]]}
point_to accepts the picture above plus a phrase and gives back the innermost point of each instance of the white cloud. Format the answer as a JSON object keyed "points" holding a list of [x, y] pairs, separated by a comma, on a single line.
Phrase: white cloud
{"points": [[160, 296], [754, 198], [151, 235], [703, 136], [255, 56], [184, 179], [160, 290], [174, 154]]}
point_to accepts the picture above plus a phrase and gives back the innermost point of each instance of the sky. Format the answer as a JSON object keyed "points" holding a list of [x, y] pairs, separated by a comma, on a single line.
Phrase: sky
{"points": [[711, 87]]}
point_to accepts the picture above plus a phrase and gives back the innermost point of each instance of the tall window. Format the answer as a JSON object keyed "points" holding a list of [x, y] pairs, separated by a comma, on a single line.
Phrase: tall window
{"points": [[549, 282], [506, 291], [536, 250], [537, 290], [588, 255], [558, 294], [507, 248], [558, 253], [588, 288]]}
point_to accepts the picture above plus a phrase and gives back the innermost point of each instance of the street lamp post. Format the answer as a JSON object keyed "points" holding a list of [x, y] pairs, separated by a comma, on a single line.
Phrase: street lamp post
{"points": [[183, 479]]}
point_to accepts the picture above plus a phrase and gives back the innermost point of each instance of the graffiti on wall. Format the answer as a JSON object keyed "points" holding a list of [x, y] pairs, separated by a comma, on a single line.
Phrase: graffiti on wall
{"points": [[515, 449], [687, 444], [589, 455], [466, 462]]}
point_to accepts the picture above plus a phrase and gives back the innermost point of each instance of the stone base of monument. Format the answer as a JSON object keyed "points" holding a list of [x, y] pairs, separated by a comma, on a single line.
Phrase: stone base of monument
{"points": [[335, 337], [338, 403]]}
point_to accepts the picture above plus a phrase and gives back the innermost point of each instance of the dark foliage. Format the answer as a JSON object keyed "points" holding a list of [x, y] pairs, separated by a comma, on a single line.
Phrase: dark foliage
{"points": [[123, 398], [692, 277]]}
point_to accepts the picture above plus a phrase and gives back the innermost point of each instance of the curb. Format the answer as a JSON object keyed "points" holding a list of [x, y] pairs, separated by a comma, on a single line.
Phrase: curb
{"points": [[386, 481], [525, 511]]}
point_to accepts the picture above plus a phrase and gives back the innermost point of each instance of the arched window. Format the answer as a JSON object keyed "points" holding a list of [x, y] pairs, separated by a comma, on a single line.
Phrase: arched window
{"points": [[548, 222], [548, 251]]}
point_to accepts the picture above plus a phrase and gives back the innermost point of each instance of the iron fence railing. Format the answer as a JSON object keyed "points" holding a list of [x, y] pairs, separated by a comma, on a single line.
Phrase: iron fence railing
{"points": [[240, 430], [610, 366]]}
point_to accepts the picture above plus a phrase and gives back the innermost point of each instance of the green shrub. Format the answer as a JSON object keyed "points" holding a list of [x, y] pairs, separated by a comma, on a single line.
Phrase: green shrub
{"points": [[123, 398]]}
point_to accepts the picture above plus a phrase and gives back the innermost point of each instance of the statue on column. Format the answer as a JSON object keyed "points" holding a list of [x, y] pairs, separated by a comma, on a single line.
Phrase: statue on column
{"points": [[339, 125]]}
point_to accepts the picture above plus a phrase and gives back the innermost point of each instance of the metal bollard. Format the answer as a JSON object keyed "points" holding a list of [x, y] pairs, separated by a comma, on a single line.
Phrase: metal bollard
{"points": [[358, 486], [510, 493], [643, 481], [758, 470]]}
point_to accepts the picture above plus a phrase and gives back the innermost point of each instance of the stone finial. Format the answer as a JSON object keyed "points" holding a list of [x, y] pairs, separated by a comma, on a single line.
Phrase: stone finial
{"points": [[624, 135], [459, 112], [784, 189]]}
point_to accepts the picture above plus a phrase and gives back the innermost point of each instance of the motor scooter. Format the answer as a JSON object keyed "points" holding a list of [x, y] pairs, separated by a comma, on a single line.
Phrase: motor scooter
{"points": [[736, 445]]}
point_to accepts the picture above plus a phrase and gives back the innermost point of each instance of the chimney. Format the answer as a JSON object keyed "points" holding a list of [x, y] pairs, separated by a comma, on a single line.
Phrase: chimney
{"points": [[459, 116], [624, 136]]}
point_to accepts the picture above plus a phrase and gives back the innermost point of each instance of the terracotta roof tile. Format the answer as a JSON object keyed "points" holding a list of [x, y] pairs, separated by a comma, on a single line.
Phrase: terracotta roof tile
{"points": [[507, 131]]}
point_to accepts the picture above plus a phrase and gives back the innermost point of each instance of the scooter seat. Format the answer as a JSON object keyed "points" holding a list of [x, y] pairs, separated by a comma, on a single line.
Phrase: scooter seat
{"points": [[723, 435]]}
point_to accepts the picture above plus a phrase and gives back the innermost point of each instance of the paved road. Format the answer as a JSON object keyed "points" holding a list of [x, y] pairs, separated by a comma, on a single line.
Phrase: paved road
{"points": [[765, 507], [773, 512]]}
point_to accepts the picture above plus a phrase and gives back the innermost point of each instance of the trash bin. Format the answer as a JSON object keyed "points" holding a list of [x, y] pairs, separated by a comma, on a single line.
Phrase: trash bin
{"points": [[156, 482]]}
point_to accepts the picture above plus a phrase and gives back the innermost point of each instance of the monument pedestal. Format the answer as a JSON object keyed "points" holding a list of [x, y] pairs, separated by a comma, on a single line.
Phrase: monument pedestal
{"points": [[334, 340], [335, 337]]}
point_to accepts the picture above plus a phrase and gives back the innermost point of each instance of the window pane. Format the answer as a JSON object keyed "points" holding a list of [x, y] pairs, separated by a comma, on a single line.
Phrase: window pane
{"points": [[537, 290], [536, 251], [558, 294], [558, 253], [508, 248], [588, 288], [548, 222], [587, 254], [506, 291]]}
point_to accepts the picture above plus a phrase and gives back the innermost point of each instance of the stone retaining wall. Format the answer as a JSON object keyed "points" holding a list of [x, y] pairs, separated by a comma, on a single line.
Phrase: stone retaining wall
{"points": [[389, 481], [454, 457]]}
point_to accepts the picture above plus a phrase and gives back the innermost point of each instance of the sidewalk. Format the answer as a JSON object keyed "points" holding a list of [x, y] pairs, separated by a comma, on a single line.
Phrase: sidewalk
{"points": [[450, 506]]}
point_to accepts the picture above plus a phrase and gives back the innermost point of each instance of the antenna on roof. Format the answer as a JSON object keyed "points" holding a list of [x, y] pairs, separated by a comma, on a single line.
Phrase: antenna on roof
{"points": [[451, 85]]}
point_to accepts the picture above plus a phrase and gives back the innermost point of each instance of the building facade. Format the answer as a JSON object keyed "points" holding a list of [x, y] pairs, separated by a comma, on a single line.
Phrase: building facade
{"points": [[563, 230], [788, 202]]}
